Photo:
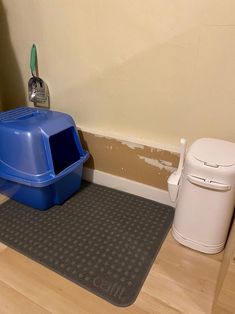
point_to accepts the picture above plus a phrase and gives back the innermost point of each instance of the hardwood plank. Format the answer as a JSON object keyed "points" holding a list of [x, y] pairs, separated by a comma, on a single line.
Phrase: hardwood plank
{"points": [[187, 266], [13, 302], [180, 281], [173, 294], [226, 297], [221, 310], [50, 290], [153, 305], [2, 247], [3, 198], [179, 271], [225, 288]]}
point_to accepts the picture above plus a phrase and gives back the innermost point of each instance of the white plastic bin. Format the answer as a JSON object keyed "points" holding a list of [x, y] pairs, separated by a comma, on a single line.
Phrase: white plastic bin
{"points": [[206, 197]]}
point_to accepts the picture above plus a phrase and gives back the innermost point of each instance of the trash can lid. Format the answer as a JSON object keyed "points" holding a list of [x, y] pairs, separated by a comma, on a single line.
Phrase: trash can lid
{"points": [[214, 152]]}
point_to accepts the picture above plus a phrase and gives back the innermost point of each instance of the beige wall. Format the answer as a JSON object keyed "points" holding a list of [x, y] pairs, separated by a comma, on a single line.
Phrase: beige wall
{"points": [[147, 69]]}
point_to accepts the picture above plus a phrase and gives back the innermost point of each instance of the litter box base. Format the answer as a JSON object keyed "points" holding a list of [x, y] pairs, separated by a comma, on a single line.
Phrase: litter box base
{"points": [[43, 198]]}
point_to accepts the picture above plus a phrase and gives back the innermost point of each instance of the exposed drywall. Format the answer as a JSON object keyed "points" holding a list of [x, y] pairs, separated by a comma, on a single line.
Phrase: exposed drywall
{"points": [[133, 161], [150, 69]]}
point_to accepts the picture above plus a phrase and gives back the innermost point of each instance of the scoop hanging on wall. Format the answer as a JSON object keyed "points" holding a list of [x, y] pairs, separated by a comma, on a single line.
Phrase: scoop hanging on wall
{"points": [[37, 88]]}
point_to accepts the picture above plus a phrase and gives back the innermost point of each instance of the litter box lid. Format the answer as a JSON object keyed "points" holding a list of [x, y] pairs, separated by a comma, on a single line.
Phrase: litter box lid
{"points": [[213, 152], [38, 146]]}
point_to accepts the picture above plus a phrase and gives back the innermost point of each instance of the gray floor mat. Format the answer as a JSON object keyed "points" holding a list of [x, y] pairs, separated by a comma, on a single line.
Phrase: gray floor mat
{"points": [[102, 239]]}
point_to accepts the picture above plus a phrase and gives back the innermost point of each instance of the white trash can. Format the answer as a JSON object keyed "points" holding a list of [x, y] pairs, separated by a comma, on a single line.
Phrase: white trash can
{"points": [[206, 197]]}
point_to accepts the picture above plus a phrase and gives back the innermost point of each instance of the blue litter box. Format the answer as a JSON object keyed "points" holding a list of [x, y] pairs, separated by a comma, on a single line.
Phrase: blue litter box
{"points": [[41, 157]]}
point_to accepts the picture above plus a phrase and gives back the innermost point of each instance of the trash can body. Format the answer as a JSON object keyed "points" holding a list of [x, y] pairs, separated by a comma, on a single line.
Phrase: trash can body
{"points": [[41, 157], [206, 196]]}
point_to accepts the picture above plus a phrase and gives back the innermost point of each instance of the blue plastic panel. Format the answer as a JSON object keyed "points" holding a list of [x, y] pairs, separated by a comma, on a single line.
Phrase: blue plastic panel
{"points": [[27, 136], [41, 157]]}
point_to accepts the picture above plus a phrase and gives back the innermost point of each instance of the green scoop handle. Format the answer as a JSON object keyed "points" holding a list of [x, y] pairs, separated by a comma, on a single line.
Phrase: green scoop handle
{"points": [[33, 59]]}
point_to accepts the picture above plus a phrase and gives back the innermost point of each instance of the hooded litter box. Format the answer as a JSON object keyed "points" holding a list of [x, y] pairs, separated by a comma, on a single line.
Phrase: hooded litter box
{"points": [[41, 157]]}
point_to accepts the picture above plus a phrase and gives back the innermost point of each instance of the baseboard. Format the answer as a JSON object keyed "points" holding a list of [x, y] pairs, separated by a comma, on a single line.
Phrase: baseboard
{"points": [[127, 185]]}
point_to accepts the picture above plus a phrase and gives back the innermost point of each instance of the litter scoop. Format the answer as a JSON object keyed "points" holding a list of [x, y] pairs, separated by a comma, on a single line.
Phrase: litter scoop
{"points": [[174, 179], [37, 88]]}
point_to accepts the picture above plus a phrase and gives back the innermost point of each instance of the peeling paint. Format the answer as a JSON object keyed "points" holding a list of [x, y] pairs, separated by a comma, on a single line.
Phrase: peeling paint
{"points": [[98, 135], [174, 153], [109, 147], [103, 137], [165, 163], [132, 145], [161, 164]]}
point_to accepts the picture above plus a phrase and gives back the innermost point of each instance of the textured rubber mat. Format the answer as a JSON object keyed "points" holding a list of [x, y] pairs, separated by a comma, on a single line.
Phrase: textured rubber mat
{"points": [[102, 239]]}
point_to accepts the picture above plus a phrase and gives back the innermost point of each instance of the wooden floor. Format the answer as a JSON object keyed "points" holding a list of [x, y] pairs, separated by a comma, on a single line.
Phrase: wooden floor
{"points": [[180, 281]]}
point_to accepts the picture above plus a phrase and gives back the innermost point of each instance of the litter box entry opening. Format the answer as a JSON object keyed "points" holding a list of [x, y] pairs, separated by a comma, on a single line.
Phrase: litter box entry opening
{"points": [[64, 150]]}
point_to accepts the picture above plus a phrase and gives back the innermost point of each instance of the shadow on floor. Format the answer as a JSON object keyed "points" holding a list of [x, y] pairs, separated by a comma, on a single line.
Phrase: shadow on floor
{"points": [[12, 92]]}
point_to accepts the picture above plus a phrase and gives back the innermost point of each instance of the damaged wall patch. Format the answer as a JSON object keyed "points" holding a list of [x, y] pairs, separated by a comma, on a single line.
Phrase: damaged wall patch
{"points": [[161, 164]]}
